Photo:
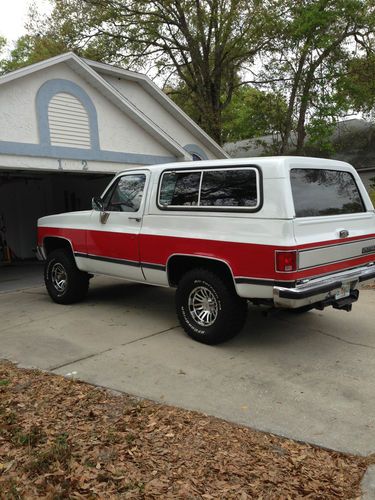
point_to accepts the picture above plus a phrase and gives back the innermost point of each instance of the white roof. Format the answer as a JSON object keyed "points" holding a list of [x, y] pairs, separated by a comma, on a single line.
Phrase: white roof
{"points": [[272, 166]]}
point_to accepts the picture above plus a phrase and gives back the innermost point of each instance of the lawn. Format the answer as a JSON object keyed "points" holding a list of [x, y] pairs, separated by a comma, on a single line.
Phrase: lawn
{"points": [[61, 438]]}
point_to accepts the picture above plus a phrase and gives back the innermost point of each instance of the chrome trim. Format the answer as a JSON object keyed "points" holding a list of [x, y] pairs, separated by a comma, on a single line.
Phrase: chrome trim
{"points": [[40, 253], [198, 257], [316, 290]]}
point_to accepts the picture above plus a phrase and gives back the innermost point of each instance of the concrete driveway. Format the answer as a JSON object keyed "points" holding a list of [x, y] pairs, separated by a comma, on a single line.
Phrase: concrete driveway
{"points": [[308, 376]]}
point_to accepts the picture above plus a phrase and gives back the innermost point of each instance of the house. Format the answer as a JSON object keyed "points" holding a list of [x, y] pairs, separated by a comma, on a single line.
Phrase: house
{"points": [[67, 124]]}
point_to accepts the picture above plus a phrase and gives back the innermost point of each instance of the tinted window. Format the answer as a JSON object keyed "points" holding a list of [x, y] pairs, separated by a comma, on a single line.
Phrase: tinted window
{"points": [[127, 194], [180, 189], [318, 192], [229, 188]]}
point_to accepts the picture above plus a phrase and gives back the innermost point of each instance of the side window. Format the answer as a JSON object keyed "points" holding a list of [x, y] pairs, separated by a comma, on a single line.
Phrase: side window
{"points": [[126, 194], [180, 189], [229, 188]]}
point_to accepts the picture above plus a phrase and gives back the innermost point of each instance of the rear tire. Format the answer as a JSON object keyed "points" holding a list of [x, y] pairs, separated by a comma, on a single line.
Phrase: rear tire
{"points": [[65, 283], [208, 307]]}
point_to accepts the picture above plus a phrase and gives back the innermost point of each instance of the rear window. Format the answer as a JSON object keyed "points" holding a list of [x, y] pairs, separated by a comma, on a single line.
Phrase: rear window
{"points": [[318, 192], [232, 188]]}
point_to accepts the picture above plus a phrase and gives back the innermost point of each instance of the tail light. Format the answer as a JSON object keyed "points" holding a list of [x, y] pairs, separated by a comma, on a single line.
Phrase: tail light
{"points": [[286, 261]]}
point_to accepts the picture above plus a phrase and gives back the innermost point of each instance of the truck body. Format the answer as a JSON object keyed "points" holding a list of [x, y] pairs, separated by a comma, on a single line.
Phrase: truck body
{"points": [[288, 232]]}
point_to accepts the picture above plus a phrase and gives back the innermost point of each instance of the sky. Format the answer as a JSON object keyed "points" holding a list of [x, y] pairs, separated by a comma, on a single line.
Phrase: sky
{"points": [[13, 15]]}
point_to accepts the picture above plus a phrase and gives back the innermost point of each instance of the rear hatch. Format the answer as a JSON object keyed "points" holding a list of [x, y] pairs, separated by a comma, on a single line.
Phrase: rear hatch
{"points": [[334, 225]]}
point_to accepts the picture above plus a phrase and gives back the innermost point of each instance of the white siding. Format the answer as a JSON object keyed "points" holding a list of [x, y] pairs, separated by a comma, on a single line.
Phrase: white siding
{"points": [[68, 122]]}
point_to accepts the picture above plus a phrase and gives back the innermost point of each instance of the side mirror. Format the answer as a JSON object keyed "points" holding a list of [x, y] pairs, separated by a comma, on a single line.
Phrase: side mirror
{"points": [[97, 204]]}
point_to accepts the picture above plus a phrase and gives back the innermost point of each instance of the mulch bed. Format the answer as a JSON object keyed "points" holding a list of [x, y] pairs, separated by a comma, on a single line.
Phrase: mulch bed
{"points": [[64, 439]]}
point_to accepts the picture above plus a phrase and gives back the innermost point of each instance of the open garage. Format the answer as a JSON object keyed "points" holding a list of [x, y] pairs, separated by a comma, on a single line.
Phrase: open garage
{"points": [[26, 195]]}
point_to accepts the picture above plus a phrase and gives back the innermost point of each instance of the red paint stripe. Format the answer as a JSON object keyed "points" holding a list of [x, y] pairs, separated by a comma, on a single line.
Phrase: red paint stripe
{"points": [[77, 237], [245, 259]]}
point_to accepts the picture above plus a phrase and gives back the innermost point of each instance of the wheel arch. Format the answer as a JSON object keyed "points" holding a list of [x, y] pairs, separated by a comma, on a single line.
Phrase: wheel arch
{"points": [[179, 264], [51, 243]]}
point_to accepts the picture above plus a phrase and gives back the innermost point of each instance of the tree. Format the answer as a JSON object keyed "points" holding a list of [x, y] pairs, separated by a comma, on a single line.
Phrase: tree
{"points": [[3, 43], [372, 190], [30, 49], [357, 85], [202, 43], [315, 40], [251, 112]]}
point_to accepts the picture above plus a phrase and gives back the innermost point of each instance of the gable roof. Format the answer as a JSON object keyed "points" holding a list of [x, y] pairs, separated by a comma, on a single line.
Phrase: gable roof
{"points": [[151, 88], [90, 72]]}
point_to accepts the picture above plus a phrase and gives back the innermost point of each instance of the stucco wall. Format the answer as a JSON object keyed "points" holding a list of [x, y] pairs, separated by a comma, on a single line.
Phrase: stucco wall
{"points": [[117, 132], [158, 114]]}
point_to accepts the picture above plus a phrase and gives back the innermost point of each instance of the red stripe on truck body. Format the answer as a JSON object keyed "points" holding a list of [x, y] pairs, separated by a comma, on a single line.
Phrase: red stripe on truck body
{"points": [[245, 259]]}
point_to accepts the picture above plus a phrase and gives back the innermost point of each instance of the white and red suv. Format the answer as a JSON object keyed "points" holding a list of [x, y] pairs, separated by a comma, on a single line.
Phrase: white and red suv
{"points": [[287, 232]]}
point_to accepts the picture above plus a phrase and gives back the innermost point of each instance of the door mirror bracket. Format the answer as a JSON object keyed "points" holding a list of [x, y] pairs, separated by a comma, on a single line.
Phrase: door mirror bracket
{"points": [[97, 204]]}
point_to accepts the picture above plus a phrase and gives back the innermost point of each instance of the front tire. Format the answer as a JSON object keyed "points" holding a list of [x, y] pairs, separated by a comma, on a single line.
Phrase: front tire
{"points": [[65, 283], [208, 307]]}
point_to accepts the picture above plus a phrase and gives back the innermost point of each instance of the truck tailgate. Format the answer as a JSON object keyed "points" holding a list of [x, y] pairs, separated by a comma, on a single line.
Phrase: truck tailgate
{"points": [[337, 242]]}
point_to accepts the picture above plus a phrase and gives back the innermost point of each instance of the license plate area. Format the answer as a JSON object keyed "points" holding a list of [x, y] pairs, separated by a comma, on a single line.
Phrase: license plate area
{"points": [[343, 292]]}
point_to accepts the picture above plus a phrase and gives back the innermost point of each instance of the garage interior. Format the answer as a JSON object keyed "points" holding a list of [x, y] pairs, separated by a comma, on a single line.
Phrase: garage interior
{"points": [[27, 195]]}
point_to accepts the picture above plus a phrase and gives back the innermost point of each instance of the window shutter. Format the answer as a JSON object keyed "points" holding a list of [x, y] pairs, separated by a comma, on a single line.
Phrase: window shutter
{"points": [[68, 122]]}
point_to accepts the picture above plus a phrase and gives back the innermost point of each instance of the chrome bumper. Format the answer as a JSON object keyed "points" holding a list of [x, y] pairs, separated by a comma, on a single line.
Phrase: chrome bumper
{"points": [[321, 289]]}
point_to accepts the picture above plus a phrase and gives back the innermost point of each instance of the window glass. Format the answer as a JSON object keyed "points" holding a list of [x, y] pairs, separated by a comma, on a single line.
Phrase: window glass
{"points": [[318, 192], [180, 189], [229, 188], [127, 194]]}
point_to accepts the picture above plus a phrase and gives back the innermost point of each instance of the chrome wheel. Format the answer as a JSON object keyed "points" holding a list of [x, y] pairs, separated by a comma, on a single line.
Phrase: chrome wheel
{"points": [[59, 277], [203, 306]]}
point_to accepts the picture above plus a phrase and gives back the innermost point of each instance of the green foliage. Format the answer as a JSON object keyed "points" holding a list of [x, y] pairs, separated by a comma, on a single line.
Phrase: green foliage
{"points": [[357, 85], [30, 49], [253, 113], [314, 43]]}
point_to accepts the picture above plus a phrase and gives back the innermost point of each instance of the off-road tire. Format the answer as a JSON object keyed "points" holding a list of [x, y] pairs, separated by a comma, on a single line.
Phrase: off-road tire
{"points": [[231, 309], [77, 282]]}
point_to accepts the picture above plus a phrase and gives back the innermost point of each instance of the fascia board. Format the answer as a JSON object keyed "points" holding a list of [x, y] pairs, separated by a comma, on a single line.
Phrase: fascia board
{"points": [[28, 70], [163, 99]]}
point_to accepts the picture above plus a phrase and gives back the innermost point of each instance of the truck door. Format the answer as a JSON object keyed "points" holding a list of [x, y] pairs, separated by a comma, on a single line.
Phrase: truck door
{"points": [[113, 233]]}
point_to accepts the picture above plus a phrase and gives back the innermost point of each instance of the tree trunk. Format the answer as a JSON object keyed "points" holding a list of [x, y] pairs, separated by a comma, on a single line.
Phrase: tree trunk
{"points": [[301, 126]]}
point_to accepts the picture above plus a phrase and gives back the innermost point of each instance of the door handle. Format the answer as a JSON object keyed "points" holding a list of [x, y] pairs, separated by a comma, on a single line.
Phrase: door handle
{"points": [[138, 219]]}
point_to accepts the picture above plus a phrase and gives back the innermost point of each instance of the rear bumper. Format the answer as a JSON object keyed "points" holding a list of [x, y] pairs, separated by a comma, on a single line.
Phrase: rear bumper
{"points": [[322, 290]]}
